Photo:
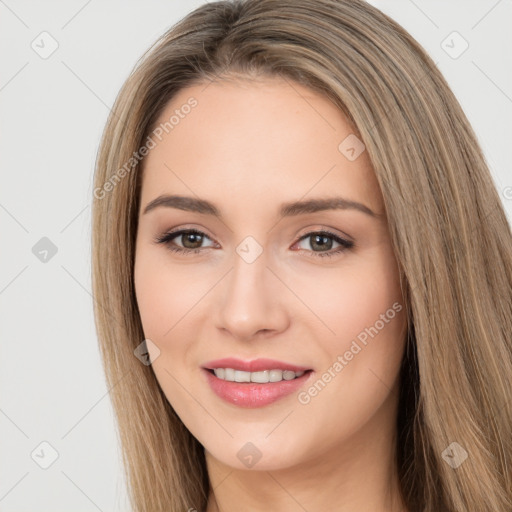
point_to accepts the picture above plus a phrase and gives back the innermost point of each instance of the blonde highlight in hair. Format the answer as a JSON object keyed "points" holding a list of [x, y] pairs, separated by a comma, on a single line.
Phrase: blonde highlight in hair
{"points": [[447, 225]]}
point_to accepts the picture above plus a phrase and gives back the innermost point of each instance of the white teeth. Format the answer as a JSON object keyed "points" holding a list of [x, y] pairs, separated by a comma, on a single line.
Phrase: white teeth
{"points": [[229, 374], [276, 375], [260, 377], [241, 376]]}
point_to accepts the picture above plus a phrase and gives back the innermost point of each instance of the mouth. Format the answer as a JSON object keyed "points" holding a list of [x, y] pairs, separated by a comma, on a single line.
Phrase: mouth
{"points": [[254, 383], [261, 377], [254, 366]]}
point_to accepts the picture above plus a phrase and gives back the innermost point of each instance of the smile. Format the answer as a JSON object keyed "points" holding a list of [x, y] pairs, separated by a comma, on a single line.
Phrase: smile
{"points": [[249, 394], [261, 377]]}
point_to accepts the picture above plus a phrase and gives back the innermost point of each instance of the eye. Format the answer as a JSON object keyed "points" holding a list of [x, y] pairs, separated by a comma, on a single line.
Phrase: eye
{"points": [[190, 238], [321, 243]]}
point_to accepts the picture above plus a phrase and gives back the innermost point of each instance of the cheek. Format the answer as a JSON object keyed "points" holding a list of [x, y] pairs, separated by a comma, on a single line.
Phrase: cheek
{"points": [[362, 304], [166, 293], [166, 297], [173, 306], [350, 300]]}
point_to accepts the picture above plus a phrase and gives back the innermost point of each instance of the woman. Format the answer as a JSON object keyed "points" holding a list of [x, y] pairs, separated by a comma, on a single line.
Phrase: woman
{"points": [[302, 271]]}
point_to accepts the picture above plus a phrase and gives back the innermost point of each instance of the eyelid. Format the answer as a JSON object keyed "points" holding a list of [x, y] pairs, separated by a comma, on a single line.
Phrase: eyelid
{"points": [[172, 234], [306, 231], [319, 228], [184, 228], [345, 242]]}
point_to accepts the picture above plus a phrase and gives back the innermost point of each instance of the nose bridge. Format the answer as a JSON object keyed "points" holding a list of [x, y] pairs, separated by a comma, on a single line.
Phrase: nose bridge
{"points": [[250, 301], [248, 280]]}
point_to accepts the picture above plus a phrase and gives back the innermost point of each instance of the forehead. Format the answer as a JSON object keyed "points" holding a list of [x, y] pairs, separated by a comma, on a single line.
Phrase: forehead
{"points": [[270, 138]]}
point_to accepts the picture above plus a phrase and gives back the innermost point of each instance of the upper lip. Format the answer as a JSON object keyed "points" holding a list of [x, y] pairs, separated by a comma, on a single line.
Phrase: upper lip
{"points": [[256, 365]]}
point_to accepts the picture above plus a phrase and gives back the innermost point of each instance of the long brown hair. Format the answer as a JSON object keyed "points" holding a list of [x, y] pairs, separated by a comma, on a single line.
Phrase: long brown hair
{"points": [[448, 229]]}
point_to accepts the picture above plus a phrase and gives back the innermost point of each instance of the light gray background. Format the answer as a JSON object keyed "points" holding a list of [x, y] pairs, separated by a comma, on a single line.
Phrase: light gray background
{"points": [[53, 111]]}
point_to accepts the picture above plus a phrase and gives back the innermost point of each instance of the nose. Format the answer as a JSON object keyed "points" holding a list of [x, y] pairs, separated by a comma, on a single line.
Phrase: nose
{"points": [[252, 301]]}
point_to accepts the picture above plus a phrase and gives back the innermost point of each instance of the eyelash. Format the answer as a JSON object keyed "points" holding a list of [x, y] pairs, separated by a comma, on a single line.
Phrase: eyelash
{"points": [[166, 238]]}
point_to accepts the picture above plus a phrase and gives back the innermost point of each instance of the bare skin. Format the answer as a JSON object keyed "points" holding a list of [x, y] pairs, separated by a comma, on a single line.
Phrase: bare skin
{"points": [[248, 147]]}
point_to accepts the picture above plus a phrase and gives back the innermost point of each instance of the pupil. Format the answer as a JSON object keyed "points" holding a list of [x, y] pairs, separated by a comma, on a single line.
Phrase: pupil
{"points": [[323, 241], [194, 238]]}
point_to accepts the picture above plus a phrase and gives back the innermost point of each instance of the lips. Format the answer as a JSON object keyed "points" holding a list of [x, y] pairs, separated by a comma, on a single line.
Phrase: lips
{"points": [[256, 365], [250, 395]]}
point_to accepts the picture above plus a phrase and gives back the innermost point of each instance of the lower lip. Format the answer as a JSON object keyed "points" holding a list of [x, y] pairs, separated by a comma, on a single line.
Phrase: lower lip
{"points": [[252, 395]]}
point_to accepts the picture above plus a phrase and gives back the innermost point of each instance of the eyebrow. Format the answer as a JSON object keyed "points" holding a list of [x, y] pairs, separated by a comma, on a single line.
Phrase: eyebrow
{"points": [[294, 208]]}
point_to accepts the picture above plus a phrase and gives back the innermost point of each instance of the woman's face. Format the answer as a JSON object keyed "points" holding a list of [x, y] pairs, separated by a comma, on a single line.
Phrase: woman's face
{"points": [[313, 286]]}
